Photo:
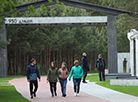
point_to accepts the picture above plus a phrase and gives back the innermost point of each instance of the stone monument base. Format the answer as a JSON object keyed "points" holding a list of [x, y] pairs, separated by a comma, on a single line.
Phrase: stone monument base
{"points": [[119, 76], [127, 82]]}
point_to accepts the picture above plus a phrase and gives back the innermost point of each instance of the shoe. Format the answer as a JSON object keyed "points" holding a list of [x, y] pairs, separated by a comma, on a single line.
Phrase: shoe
{"points": [[31, 96], [52, 96], [34, 95], [64, 95], [78, 94], [75, 94], [84, 82], [55, 94]]}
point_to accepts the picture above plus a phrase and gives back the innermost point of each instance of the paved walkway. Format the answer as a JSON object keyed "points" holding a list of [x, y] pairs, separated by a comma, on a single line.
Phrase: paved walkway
{"points": [[43, 94], [89, 92], [105, 93]]}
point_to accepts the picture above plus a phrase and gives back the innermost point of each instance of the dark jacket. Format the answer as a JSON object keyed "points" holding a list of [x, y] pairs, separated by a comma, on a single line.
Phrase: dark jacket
{"points": [[85, 64], [52, 75], [32, 72], [98, 63]]}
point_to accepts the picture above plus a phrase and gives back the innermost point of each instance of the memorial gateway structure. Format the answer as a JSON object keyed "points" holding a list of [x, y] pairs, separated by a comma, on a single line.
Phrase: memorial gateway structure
{"points": [[133, 38], [108, 21]]}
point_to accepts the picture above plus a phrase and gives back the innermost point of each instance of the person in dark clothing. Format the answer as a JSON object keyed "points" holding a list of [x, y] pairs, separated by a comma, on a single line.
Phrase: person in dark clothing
{"points": [[100, 65], [52, 78], [84, 66], [32, 75]]}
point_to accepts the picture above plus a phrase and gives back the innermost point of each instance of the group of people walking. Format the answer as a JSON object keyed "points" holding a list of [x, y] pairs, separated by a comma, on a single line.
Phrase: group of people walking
{"points": [[61, 75]]}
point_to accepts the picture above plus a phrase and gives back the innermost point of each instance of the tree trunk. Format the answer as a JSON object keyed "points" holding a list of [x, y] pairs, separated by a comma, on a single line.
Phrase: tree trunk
{"points": [[80, 59], [69, 59], [9, 64], [94, 61], [47, 58], [27, 62], [57, 59], [24, 60], [74, 54], [41, 64], [60, 57], [20, 63], [17, 70], [15, 58], [90, 62], [49, 54], [45, 64], [54, 56]]}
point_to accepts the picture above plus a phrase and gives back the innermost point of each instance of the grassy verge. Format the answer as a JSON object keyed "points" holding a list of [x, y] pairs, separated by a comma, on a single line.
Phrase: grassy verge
{"points": [[8, 93], [131, 90]]}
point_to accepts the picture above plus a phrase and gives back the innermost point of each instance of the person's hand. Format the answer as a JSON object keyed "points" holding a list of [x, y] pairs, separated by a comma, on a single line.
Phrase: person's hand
{"points": [[28, 80], [47, 81], [39, 80]]}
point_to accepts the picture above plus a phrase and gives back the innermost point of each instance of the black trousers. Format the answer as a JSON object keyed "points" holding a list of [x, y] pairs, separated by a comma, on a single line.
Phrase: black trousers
{"points": [[53, 86], [76, 85], [35, 83], [84, 75], [101, 75]]}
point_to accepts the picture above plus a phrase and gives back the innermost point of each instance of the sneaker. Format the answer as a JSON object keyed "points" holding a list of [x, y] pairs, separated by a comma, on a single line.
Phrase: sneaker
{"points": [[52, 96], [34, 95], [64, 95], [78, 94], [84, 82], [31, 96], [75, 94], [55, 94]]}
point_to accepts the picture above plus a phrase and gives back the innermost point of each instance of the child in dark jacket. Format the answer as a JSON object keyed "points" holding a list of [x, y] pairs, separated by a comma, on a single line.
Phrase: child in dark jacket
{"points": [[52, 78], [32, 75]]}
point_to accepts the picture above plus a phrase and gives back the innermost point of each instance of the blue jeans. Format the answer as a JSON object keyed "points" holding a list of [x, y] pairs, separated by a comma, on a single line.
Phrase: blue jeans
{"points": [[63, 83], [76, 84]]}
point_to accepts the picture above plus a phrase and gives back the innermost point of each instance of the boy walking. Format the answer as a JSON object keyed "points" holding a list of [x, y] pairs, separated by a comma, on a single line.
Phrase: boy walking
{"points": [[32, 75]]}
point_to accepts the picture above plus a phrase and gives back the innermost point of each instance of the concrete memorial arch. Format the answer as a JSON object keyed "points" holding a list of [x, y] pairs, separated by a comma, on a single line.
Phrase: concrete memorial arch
{"points": [[109, 20]]}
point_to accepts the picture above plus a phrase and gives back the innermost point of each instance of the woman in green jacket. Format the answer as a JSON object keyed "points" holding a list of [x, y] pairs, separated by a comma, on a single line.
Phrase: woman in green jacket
{"points": [[52, 78], [77, 73]]}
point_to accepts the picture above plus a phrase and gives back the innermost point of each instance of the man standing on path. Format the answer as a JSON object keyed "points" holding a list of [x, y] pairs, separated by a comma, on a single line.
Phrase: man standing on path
{"points": [[84, 66], [32, 75], [100, 65]]}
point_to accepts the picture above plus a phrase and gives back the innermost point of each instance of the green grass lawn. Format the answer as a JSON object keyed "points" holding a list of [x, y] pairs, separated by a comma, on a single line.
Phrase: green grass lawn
{"points": [[8, 93], [131, 90]]}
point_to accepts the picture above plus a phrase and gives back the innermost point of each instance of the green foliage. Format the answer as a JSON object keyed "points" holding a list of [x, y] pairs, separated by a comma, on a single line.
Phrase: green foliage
{"points": [[31, 9], [43, 7]]}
